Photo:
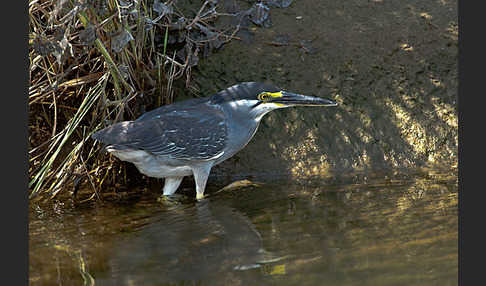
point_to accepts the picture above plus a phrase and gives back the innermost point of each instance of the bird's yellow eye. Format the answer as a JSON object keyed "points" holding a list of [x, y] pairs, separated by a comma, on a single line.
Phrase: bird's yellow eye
{"points": [[264, 96]]}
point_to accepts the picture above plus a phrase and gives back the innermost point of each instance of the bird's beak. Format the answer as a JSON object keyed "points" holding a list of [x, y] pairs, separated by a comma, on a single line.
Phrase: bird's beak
{"points": [[293, 99]]}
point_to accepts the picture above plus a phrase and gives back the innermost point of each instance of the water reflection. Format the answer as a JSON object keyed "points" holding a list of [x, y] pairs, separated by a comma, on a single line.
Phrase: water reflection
{"points": [[383, 230], [194, 243]]}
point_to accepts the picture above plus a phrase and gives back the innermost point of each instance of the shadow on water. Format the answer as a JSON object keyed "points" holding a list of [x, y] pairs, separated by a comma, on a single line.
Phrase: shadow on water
{"points": [[387, 229]]}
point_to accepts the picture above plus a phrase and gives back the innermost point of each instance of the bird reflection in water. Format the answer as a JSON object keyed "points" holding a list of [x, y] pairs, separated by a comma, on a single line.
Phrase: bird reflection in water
{"points": [[196, 242]]}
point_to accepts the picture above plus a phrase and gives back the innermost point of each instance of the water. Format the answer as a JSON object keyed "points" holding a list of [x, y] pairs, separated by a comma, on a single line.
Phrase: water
{"points": [[398, 229]]}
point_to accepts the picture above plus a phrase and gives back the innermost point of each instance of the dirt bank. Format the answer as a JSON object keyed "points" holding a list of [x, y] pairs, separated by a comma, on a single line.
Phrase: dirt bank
{"points": [[392, 66]]}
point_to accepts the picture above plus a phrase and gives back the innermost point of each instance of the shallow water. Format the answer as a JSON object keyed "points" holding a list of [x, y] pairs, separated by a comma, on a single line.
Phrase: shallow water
{"points": [[396, 229]]}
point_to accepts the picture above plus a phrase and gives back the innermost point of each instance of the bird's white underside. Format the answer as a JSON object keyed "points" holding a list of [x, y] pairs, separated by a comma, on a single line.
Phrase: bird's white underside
{"points": [[151, 166]]}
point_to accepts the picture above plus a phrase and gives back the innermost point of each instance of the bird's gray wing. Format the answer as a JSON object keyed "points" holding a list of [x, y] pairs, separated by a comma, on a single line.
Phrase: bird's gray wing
{"points": [[198, 133], [176, 106]]}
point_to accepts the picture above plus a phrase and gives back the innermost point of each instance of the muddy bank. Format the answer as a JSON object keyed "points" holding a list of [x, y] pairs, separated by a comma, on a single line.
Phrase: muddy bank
{"points": [[392, 66]]}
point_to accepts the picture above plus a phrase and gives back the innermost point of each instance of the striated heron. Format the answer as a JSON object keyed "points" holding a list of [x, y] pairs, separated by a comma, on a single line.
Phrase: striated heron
{"points": [[190, 137]]}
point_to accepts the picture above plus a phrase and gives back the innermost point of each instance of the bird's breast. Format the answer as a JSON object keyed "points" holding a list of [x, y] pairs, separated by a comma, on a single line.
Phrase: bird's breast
{"points": [[238, 136]]}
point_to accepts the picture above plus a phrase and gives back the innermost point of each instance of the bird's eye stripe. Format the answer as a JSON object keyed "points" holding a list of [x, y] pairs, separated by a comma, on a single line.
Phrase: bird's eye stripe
{"points": [[263, 96]]}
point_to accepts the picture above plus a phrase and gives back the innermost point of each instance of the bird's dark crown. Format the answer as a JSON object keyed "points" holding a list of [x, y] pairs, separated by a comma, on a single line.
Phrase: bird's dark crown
{"points": [[245, 90]]}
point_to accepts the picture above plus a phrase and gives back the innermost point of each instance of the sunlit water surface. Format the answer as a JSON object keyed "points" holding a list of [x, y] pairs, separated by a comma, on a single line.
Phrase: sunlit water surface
{"points": [[385, 230]]}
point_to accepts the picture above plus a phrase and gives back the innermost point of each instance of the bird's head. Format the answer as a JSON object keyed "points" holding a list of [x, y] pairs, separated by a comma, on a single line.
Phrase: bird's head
{"points": [[257, 99]]}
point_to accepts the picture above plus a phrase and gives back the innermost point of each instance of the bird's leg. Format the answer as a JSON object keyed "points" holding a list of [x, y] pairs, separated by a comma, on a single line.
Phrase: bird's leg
{"points": [[171, 185], [201, 174]]}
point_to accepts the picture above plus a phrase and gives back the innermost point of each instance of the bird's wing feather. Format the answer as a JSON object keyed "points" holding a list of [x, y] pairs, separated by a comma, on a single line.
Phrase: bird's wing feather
{"points": [[181, 105], [195, 133]]}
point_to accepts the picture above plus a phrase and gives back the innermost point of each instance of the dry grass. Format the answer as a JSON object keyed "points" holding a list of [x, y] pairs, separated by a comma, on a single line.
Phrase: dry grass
{"points": [[93, 63]]}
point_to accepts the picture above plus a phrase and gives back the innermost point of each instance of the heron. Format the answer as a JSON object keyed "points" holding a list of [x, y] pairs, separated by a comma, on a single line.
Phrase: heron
{"points": [[192, 136]]}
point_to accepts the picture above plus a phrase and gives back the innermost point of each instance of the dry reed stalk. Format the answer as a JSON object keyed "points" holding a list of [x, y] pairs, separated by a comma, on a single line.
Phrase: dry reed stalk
{"points": [[96, 62]]}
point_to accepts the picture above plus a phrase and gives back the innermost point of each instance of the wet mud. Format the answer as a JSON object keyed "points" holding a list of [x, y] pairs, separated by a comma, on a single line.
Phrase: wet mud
{"points": [[392, 66]]}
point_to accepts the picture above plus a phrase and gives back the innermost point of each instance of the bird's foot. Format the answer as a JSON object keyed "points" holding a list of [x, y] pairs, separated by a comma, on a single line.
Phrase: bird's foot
{"points": [[173, 200], [199, 196]]}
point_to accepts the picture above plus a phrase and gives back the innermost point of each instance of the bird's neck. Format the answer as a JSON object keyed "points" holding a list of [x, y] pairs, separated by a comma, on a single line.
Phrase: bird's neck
{"points": [[243, 124]]}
